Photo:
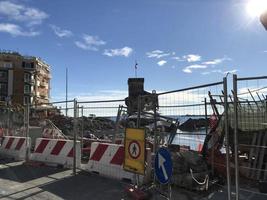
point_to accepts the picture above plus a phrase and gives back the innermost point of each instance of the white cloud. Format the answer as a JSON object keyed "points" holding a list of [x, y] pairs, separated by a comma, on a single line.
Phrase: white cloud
{"points": [[220, 72], [189, 69], [231, 71], [90, 42], [61, 32], [157, 54], [192, 57], [213, 62], [16, 30], [19, 12], [162, 62], [125, 51], [216, 61], [177, 58]]}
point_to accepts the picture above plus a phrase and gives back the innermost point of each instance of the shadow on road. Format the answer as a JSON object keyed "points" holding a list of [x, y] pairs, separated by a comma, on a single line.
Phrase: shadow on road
{"points": [[86, 186], [23, 173]]}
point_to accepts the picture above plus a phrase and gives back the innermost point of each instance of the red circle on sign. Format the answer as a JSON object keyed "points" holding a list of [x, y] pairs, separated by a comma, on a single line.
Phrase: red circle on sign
{"points": [[134, 149]]}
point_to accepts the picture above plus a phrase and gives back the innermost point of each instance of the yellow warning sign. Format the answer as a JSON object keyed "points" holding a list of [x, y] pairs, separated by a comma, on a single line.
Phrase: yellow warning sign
{"points": [[134, 156]]}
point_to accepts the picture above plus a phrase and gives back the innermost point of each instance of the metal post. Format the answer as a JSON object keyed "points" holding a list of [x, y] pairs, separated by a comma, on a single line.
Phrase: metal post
{"points": [[155, 134], [170, 190], [138, 126], [117, 124], [138, 111], [27, 131], [155, 130], [66, 91], [236, 137], [227, 138], [82, 131], [8, 116], [206, 116], [74, 136]]}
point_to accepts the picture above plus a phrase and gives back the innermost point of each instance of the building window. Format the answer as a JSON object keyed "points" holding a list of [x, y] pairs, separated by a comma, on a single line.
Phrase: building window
{"points": [[27, 77], [8, 65], [27, 89], [3, 74], [26, 100], [29, 65], [3, 87]]}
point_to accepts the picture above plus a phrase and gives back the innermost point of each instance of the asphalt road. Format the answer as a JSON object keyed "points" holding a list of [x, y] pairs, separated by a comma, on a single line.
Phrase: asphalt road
{"points": [[20, 181]]}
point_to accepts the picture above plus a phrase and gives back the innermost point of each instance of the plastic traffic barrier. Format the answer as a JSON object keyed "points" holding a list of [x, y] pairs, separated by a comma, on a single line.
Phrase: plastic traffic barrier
{"points": [[56, 151], [15, 147]]}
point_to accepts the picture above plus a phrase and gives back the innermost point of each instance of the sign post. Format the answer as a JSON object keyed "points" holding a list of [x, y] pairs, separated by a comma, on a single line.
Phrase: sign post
{"points": [[134, 143], [163, 168]]}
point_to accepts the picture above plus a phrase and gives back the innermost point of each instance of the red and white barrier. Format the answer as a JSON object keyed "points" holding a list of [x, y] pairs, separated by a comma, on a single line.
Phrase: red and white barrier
{"points": [[107, 160], [15, 147], [56, 151]]}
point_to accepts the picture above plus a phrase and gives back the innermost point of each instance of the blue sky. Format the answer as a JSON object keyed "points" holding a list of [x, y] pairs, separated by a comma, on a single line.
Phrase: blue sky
{"points": [[177, 43]]}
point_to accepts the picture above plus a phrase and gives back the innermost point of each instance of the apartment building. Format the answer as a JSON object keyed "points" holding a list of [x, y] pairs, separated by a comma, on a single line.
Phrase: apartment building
{"points": [[24, 79]]}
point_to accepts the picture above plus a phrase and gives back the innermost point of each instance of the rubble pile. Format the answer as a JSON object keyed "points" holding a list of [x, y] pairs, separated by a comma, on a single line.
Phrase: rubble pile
{"points": [[11, 116], [91, 125], [190, 170]]}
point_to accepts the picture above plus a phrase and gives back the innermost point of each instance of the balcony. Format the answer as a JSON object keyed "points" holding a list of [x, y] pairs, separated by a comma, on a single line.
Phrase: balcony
{"points": [[43, 84], [42, 95], [29, 81], [29, 92], [46, 75]]}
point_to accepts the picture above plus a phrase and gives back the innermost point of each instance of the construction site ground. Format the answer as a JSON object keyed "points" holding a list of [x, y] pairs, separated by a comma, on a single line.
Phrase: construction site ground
{"points": [[21, 181]]}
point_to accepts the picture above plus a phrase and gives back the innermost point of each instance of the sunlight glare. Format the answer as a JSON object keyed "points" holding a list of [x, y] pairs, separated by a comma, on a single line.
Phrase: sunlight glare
{"points": [[256, 7]]}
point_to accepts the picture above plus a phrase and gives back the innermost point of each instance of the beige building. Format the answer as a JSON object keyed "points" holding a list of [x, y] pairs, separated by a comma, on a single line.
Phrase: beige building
{"points": [[24, 79]]}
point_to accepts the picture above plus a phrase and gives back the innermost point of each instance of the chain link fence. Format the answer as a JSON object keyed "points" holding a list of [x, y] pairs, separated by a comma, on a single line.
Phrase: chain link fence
{"points": [[248, 127], [226, 127]]}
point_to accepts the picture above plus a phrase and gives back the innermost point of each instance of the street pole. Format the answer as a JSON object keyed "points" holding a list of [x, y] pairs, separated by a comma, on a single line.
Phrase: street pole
{"points": [[236, 137], [8, 116], [66, 92], [206, 116], [82, 130], [27, 131], [74, 135], [227, 137]]}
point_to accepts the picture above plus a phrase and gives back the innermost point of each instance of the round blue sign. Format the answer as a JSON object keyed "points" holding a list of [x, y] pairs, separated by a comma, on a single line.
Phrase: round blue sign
{"points": [[163, 166]]}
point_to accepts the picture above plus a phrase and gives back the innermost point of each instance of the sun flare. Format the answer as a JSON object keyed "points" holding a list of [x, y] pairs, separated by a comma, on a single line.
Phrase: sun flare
{"points": [[256, 7]]}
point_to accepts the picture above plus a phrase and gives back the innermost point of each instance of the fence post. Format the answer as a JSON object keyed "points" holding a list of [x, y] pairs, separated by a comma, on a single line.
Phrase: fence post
{"points": [[8, 117], [27, 130], [236, 136], [206, 115], [227, 137], [117, 124], [74, 135], [82, 130], [138, 111]]}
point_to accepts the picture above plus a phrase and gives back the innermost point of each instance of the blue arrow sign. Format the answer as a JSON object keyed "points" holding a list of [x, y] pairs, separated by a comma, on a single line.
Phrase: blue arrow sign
{"points": [[163, 165]]}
